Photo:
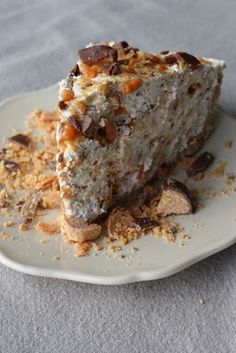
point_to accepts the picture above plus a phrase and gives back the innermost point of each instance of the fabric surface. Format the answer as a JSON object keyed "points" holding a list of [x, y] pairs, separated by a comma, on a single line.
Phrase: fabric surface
{"points": [[39, 40]]}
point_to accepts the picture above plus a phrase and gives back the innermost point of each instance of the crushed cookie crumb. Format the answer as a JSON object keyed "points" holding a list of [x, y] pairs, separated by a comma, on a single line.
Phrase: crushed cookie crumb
{"points": [[49, 228], [8, 224], [219, 170], [23, 227], [56, 258], [82, 248], [5, 236], [228, 144]]}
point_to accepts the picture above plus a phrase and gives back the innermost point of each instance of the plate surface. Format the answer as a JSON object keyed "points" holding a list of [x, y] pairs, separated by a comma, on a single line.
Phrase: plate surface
{"points": [[211, 229]]}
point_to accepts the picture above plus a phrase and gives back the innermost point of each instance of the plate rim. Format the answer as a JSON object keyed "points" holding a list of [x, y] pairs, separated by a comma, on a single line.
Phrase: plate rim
{"points": [[132, 277]]}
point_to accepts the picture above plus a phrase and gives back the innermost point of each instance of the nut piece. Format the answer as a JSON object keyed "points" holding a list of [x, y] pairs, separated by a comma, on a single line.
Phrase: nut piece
{"points": [[78, 230], [175, 199], [200, 164]]}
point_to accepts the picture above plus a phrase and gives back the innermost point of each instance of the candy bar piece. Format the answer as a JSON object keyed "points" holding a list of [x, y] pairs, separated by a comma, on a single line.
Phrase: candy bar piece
{"points": [[20, 139], [123, 114], [200, 164], [176, 199]]}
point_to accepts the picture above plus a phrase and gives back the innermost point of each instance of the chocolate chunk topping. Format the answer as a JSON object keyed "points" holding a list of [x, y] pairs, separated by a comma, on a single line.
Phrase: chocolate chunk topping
{"points": [[123, 44], [10, 165], [62, 105], [75, 123], [188, 58], [21, 140], [28, 205], [170, 59], [95, 53], [175, 199], [200, 164], [75, 70], [146, 223], [164, 52], [60, 157], [128, 49]]}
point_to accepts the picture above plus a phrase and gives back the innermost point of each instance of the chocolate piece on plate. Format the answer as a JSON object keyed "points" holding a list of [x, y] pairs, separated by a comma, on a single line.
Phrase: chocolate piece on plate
{"points": [[176, 199], [20, 139], [200, 164], [146, 223]]}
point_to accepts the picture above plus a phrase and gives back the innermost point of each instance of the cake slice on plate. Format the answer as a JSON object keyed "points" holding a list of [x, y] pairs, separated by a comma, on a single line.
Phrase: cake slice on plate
{"points": [[124, 113]]}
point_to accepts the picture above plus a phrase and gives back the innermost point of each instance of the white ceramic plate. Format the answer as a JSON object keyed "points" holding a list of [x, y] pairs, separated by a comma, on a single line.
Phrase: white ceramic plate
{"points": [[211, 229]]}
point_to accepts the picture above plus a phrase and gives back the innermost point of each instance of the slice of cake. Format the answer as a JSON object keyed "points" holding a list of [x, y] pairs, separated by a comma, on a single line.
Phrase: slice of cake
{"points": [[124, 113]]}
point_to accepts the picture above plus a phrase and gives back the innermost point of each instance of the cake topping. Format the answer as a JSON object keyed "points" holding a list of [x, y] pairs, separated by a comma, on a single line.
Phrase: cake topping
{"points": [[188, 58], [95, 53], [10, 165], [75, 123], [200, 164], [20, 139], [75, 70], [170, 59], [175, 199], [62, 105]]}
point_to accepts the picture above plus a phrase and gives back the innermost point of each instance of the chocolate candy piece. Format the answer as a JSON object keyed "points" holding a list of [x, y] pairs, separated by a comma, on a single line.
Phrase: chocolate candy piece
{"points": [[188, 58], [200, 164], [170, 59], [75, 70], [123, 44], [95, 53], [20, 139], [146, 223], [164, 52], [10, 165], [175, 199], [62, 105]]}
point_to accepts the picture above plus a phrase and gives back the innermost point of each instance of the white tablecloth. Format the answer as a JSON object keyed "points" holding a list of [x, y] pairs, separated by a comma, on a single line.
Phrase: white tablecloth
{"points": [[38, 44]]}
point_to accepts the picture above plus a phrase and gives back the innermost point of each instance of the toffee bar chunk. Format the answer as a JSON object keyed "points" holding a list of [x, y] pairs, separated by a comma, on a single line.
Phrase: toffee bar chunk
{"points": [[200, 164], [20, 139], [176, 199], [132, 112]]}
